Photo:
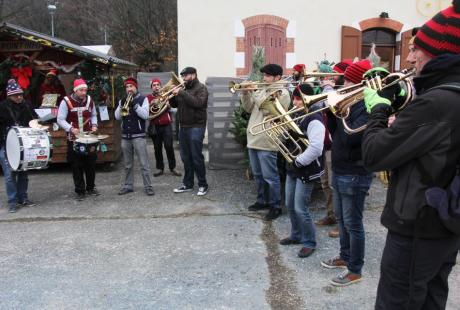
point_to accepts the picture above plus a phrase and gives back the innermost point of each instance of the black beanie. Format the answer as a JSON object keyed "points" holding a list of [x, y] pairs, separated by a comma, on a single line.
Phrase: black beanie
{"points": [[305, 89], [272, 69]]}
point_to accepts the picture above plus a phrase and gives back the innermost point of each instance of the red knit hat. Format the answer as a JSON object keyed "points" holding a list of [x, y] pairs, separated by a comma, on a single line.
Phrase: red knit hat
{"points": [[155, 80], [354, 73], [299, 67], [131, 81], [342, 66], [52, 72], [78, 84], [441, 34]]}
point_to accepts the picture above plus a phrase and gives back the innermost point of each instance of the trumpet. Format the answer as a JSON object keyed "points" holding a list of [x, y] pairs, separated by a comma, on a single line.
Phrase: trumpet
{"points": [[124, 111], [341, 101]]}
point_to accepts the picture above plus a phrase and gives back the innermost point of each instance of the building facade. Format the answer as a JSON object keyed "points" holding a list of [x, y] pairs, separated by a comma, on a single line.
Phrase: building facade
{"points": [[217, 36]]}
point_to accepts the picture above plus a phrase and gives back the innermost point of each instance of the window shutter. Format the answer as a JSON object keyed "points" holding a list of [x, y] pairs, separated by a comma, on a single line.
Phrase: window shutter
{"points": [[351, 42], [405, 38]]}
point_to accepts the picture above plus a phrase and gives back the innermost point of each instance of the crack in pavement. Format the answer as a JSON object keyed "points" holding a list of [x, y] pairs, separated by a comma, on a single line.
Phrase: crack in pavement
{"points": [[283, 292], [135, 217]]}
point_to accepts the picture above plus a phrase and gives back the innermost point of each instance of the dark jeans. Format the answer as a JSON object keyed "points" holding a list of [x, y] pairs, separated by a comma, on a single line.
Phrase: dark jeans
{"points": [[414, 274], [82, 167], [348, 199], [191, 153], [16, 182], [164, 136]]}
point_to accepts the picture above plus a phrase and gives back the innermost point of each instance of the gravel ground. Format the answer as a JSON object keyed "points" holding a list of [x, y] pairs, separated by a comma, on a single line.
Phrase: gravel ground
{"points": [[171, 251]]}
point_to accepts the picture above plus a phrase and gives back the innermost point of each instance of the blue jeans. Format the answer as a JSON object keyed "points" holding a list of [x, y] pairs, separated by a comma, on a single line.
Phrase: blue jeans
{"points": [[16, 183], [302, 227], [348, 199], [265, 171], [191, 153]]}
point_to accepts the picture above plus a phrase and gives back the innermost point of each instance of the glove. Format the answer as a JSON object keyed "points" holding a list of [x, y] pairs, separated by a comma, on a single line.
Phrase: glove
{"points": [[382, 72], [372, 98]]}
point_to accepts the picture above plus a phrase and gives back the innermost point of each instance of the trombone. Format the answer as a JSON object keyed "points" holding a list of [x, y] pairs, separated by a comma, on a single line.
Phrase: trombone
{"points": [[340, 102]]}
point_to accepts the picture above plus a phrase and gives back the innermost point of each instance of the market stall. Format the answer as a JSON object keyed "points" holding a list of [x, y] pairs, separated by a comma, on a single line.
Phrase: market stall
{"points": [[45, 68]]}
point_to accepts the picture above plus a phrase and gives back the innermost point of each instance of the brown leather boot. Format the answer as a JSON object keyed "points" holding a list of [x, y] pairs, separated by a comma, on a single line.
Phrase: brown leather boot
{"points": [[334, 233], [326, 221]]}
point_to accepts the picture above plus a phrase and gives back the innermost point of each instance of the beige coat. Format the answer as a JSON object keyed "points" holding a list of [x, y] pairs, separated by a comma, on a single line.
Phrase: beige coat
{"points": [[251, 103]]}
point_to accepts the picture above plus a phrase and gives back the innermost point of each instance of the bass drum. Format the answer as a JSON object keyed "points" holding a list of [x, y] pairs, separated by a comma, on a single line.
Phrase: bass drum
{"points": [[28, 148]]}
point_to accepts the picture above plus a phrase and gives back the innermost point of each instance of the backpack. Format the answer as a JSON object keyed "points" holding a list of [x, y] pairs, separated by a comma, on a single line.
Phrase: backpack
{"points": [[446, 201]]}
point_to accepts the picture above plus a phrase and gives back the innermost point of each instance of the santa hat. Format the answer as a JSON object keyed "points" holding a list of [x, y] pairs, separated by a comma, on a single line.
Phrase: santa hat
{"points": [[131, 81], [52, 72], [441, 34], [13, 88], [299, 68], [342, 66], [79, 84], [355, 71], [155, 80]]}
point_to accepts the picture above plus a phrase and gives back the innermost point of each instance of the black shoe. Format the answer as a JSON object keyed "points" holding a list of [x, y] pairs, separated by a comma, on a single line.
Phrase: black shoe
{"points": [[13, 208], [160, 172], [182, 189], [79, 196], [149, 191], [93, 192], [124, 191], [27, 203], [258, 206], [176, 173], [274, 213], [288, 241]]}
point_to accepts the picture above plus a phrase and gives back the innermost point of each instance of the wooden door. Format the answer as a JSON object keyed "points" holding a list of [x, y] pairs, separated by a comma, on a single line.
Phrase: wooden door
{"points": [[405, 38]]}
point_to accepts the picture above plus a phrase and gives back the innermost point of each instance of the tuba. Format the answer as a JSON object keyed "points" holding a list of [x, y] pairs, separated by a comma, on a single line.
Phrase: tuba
{"points": [[161, 104], [289, 139], [125, 107]]}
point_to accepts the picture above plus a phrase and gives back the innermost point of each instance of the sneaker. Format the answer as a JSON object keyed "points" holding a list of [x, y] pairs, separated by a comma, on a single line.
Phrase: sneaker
{"points": [[333, 263], [258, 206], [334, 233], [79, 196], [149, 191], [305, 252], [288, 241], [13, 208], [157, 174], [93, 192], [125, 191], [273, 214], [183, 189], [202, 190], [27, 203], [346, 278], [326, 221], [176, 173]]}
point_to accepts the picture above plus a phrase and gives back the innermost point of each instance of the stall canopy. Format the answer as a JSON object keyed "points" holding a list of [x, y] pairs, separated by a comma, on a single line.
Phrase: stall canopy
{"points": [[37, 40]]}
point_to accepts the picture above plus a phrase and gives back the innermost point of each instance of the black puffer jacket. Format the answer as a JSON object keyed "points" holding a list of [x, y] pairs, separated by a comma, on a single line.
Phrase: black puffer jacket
{"points": [[13, 114], [192, 104], [425, 136]]}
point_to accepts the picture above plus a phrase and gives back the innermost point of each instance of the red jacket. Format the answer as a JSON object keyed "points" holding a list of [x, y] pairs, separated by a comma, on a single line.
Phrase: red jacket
{"points": [[164, 118], [72, 116]]}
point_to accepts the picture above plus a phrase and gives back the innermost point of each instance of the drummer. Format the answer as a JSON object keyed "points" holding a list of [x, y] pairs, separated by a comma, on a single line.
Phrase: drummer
{"points": [[14, 111], [77, 115]]}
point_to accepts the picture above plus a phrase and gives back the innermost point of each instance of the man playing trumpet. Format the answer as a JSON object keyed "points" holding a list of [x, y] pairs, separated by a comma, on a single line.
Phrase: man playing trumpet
{"points": [[262, 152]]}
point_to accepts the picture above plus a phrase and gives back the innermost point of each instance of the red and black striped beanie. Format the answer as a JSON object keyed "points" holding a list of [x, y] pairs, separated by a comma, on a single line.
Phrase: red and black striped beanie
{"points": [[354, 72], [441, 34]]}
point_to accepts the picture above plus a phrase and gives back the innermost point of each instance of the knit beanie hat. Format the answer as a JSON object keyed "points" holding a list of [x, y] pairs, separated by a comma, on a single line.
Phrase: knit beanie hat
{"points": [[299, 68], [342, 66], [325, 67], [78, 84], [131, 81], [155, 80], [354, 73], [305, 89], [272, 69], [13, 88], [441, 34]]}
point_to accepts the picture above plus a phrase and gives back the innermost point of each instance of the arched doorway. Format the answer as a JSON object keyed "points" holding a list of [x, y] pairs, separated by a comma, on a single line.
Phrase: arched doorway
{"points": [[385, 41]]}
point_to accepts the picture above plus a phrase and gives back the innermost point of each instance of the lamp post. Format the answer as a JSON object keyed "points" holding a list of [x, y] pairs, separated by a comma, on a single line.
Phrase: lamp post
{"points": [[52, 9]]}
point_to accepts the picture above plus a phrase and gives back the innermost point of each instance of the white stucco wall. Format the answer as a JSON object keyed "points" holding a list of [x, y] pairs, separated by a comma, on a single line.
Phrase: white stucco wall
{"points": [[206, 28]]}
